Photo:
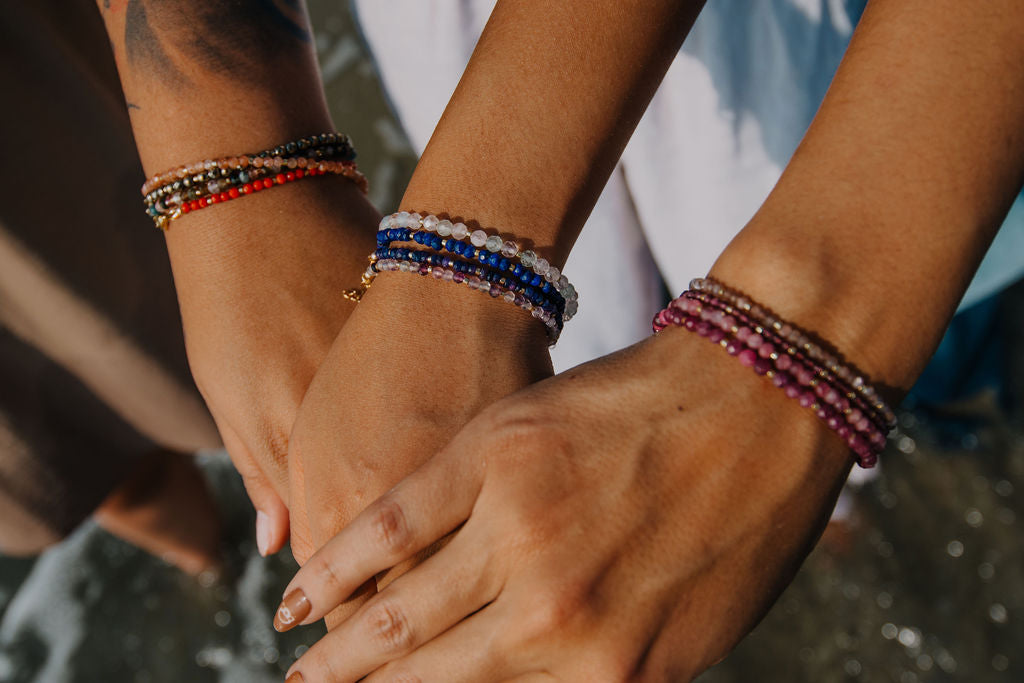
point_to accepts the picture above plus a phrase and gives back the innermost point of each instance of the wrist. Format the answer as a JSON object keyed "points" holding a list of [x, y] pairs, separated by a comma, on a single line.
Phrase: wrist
{"points": [[819, 281], [453, 322], [300, 222]]}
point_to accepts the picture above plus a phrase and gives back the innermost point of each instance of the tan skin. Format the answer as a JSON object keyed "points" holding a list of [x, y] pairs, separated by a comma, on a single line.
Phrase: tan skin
{"points": [[546, 466], [258, 280], [707, 485]]}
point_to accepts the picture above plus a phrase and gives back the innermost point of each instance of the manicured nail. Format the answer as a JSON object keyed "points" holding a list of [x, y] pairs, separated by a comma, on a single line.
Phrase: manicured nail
{"points": [[294, 608], [262, 533], [294, 678]]}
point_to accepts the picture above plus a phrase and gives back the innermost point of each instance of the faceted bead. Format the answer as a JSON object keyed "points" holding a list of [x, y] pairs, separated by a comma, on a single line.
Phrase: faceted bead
{"points": [[762, 366], [747, 357], [493, 244], [509, 249], [541, 267], [553, 274], [528, 259], [716, 335], [755, 341], [766, 350], [743, 334], [784, 361], [510, 297], [444, 228], [430, 223], [478, 238], [459, 231]]}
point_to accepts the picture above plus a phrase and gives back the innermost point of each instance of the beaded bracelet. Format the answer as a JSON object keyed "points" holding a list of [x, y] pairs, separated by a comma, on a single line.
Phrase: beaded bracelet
{"points": [[308, 146], [765, 341], [531, 294], [227, 172], [549, 319], [793, 335], [169, 195], [799, 377], [482, 256], [246, 182], [817, 380], [493, 244], [486, 263]]}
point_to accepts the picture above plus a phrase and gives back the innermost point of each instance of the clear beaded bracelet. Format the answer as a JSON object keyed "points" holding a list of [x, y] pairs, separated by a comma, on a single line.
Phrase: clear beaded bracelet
{"points": [[493, 244], [486, 264]]}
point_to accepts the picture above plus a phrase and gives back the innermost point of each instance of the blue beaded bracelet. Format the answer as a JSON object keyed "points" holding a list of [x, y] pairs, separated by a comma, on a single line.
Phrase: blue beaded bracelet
{"points": [[551, 302], [483, 246], [485, 258]]}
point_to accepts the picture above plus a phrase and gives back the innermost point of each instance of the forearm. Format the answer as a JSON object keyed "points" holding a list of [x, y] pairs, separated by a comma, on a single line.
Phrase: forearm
{"points": [[205, 79], [549, 99], [209, 78], [882, 216]]}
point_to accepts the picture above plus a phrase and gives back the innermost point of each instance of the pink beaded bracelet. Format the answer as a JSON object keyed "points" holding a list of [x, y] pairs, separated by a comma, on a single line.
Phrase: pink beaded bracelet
{"points": [[816, 380], [767, 342]]}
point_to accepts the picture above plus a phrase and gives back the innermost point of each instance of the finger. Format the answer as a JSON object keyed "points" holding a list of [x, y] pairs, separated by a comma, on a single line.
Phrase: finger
{"points": [[418, 511], [301, 532], [271, 512], [412, 611], [468, 653]]}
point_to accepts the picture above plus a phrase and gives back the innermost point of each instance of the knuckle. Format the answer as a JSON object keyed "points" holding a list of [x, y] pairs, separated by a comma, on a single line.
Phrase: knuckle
{"points": [[390, 529], [399, 676], [389, 627], [614, 668], [554, 611], [318, 665], [274, 436], [325, 573]]}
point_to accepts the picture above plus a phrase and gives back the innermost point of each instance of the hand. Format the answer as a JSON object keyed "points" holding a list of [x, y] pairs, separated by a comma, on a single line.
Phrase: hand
{"points": [[259, 281], [414, 363], [630, 519]]}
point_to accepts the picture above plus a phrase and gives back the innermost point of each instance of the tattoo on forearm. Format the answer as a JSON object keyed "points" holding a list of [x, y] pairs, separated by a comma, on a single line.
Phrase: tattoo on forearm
{"points": [[237, 38], [144, 49]]}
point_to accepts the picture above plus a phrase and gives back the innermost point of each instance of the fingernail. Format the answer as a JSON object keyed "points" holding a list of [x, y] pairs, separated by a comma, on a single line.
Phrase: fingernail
{"points": [[294, 608], [294, 678], [263, 533]]}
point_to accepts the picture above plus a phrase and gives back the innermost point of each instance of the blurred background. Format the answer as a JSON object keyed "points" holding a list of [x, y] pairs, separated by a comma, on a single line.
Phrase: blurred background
{"points": [[920, 577]]}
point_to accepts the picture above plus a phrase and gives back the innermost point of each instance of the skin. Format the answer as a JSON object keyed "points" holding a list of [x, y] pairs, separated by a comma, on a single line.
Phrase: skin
{"points": [[258, 280], [428, 356], [708, 485]]}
